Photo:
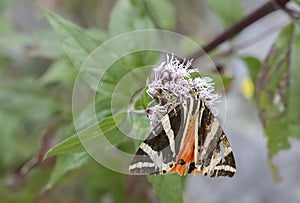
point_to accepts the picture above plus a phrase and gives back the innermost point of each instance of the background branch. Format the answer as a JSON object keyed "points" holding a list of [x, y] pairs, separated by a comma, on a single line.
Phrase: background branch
{"points": [[231, 32]]}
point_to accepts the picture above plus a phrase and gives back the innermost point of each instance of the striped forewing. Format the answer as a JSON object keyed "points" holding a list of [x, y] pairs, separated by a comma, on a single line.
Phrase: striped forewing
{"points": [[215, 156], [156, 153], [168, 144]]}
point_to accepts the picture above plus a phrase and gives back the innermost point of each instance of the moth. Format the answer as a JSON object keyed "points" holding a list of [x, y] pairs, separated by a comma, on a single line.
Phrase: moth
{"points": [[189, 139]]}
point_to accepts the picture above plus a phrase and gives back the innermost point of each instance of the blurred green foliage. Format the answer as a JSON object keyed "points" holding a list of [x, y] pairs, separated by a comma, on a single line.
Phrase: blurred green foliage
{"points": [[42, 158], [278, 90], [297, 2]]}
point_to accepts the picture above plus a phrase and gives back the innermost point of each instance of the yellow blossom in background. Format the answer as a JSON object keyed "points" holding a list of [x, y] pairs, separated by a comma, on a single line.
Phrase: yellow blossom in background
{"points": [[247, 87]]}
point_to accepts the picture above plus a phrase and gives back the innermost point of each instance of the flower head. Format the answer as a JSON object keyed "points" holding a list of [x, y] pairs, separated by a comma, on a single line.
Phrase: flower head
{"points": [[173, 83]]}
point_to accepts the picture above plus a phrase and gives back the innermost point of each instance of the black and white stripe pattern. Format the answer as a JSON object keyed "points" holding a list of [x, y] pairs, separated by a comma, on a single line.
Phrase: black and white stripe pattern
{"points": [[158, 152], [212, 152], [215, 153]]}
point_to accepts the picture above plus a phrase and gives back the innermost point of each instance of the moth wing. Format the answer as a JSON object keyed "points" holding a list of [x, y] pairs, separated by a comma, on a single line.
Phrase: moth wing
{"points": [[215, 156], [157, 153]]}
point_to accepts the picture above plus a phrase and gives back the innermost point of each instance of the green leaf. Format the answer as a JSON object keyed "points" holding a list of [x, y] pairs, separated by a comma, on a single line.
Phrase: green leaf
{"points": [[109, 127], [294, 95], [120, 81], [64, 164], [143, 102], [253, 64], [168, 187], [60, 71], [163, 13], [229, 11], [78, 43], [297, 2], [91, 134], [145, 98], [278, 90], [70, 145], [128, 15]]}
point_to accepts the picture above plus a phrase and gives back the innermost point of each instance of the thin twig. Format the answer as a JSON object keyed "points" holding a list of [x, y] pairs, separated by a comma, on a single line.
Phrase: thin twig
{"points": [[294, 14], [241, 25], [245, 44]]}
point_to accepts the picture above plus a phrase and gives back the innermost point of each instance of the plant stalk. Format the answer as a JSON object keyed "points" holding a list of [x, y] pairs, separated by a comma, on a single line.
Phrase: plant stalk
{"points": [[231, 32]]}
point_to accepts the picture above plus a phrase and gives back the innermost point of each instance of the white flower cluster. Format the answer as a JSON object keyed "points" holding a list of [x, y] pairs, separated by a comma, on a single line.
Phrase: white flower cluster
{"points": [[173, 83]]}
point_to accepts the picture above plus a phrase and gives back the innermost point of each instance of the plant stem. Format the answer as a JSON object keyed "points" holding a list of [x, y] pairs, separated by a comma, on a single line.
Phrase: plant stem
{"points": [[265, 9]]}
